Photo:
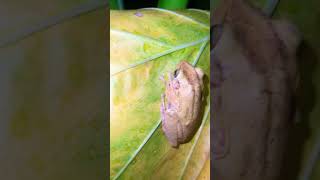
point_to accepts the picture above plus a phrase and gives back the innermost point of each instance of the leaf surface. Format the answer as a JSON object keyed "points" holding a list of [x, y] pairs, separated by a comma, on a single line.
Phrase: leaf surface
{"points": [[145, 44]]}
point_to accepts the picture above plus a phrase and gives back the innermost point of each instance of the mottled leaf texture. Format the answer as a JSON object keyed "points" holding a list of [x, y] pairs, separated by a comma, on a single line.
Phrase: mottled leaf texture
{"points": [[53, 90], [146, 44]]}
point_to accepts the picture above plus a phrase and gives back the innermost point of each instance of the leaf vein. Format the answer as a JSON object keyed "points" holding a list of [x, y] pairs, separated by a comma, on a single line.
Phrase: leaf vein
{"points": [[195, 142], [177, 48], [159, 122], [182, 16], [200, 53], [139, 37], [138, 150]]}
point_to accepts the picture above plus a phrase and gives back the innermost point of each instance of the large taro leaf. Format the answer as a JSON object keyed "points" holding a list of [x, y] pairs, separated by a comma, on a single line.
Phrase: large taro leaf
{"points": [[145, 44], [53, 91]]}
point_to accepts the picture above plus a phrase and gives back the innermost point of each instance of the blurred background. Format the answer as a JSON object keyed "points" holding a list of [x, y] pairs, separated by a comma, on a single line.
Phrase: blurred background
{"points": [[53, 94], [303, 149], [167, 4]]}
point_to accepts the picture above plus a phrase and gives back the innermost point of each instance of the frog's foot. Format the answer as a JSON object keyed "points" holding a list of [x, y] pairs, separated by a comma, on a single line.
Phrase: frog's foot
{"points": [[161, 77], [163, 106], [171, 77], [175, 84], [164, 124], [174, 144]]}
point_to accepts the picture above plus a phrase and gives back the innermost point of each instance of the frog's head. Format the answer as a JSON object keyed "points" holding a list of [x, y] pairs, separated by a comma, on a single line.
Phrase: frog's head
{"points": [[185, 72]]}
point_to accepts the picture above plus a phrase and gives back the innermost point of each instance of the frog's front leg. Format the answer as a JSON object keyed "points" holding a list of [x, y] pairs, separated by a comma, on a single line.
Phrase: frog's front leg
{"points": [[168, 117], [163, 111]]}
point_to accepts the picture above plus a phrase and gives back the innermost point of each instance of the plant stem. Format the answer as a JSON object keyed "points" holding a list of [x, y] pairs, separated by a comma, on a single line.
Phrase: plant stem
{"points": [[114, 4], [170, 4], [120, 3]]}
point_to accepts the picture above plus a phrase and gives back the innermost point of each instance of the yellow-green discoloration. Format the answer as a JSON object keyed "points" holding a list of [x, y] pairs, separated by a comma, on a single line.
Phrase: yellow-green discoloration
{"points": [[143, 48]]}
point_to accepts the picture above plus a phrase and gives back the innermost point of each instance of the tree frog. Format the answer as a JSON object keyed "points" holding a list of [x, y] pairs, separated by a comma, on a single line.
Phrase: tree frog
{"points": [[181, 103]]}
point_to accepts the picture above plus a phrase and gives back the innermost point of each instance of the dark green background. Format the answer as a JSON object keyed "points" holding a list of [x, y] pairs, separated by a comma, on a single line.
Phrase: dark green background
{"points": [[136, 4]]}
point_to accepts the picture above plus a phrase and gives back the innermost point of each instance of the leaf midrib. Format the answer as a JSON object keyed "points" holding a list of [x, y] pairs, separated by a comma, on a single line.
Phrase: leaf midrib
{"points": [[202, 41], [196, 60], [174, 48], [195, 143]]}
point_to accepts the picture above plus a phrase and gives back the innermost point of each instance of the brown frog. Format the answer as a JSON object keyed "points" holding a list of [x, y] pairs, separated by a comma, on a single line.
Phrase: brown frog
{"points": [[181, 103], [253, 86]]}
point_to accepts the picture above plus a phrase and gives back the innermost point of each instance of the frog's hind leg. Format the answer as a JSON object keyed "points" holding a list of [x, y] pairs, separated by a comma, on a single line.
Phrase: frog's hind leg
{"points": [[169, 128], [181, 137]]}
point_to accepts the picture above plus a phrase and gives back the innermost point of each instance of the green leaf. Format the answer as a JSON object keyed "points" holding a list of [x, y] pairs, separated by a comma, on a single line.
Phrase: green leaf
{"points": [[146, 44]]}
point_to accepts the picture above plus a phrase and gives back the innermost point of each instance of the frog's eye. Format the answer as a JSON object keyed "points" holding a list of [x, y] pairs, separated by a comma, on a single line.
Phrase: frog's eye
{"points": [[176, 72]]}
